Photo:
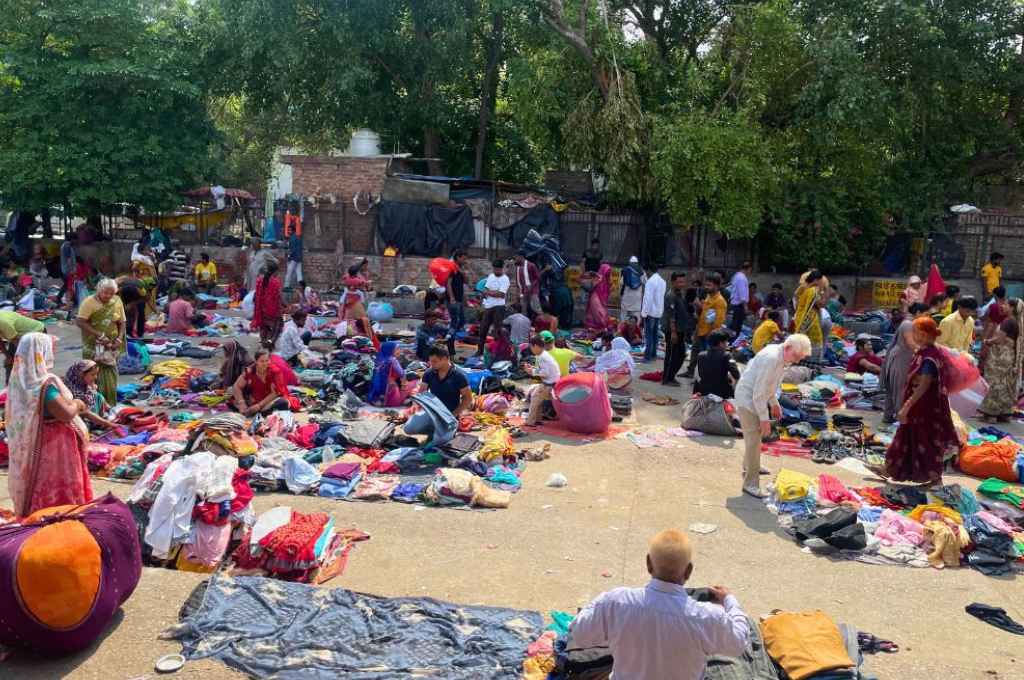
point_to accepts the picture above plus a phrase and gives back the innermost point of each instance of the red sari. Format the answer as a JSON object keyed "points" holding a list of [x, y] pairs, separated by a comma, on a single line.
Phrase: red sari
{"points": [[919, 447], [267, 309]]}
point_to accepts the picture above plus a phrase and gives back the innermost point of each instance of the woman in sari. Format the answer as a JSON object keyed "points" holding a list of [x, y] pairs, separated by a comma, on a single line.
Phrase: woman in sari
{"points": [[144, 269], [267, 308], [926, 432], [46, 436], [597, 304], [236, 360], [102, 320], [261, 388], [1003, 366], [81, 380], [386, 388], [807, 319], [895, 368]]}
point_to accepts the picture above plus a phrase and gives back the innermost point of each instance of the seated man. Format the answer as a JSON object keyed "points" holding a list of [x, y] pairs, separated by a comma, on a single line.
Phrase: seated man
{"points": [[295, 337], [447, 382], [659, 632], [519, 326], [864, 360], [429, 332], [206, 274], [181, 314], [716, 372], [630, 330], [260, 388], [769, 332]]}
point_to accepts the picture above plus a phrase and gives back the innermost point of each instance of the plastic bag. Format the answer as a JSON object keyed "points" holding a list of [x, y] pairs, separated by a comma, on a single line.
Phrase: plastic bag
{"points": [[248, 306], [380, 312], [960, 371], [441, 268]]}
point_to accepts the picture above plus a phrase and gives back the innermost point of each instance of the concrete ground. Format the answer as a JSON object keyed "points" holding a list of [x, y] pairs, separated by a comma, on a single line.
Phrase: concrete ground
{"points": [[558, 548]]}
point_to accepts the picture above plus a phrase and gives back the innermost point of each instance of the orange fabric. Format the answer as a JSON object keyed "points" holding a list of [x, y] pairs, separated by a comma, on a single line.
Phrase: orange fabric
{"points": [[292, 222], [991, 459], [58, 573], [805, 643]]}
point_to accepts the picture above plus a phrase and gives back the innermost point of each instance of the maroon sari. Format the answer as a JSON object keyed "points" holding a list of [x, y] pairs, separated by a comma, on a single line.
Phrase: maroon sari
{"points": [[919, 447]]}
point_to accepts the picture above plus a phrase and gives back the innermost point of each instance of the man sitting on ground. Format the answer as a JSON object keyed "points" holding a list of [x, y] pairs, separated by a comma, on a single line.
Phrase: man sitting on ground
{"points": [[659, 632], [548, 371], [716, 372], [295, 337], [864, 359], [206, 274], [447, 382]]}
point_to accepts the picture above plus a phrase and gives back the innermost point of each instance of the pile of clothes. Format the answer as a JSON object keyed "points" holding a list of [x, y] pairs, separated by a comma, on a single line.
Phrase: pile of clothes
{"points": [[945, 527]]}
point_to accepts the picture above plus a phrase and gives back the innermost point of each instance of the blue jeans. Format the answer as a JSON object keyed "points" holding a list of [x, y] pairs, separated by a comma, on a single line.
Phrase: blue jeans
{"points": [[651, 328], [458, 316]]}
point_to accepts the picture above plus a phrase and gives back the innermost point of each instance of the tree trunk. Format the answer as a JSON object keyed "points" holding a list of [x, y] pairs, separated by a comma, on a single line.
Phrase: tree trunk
{"points": [[432, 150], [488, 92]]}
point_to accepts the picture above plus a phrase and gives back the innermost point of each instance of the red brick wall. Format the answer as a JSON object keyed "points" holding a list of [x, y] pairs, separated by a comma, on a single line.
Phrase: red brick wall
{"points": [[340, 175]]}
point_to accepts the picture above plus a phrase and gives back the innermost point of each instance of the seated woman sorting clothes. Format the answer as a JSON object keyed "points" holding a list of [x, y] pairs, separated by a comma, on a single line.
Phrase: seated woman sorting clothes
{"points": [[261, 388], [81, 380]]}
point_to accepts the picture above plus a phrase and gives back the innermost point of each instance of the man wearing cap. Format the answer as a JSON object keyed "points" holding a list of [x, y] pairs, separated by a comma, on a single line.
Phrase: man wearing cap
{"points": [[660, 632], [563, 356], [631, 293]]}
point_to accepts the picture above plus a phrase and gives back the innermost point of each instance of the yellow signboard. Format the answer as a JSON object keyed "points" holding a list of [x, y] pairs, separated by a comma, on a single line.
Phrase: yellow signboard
{"points": [[572, 279], [886, 294]]}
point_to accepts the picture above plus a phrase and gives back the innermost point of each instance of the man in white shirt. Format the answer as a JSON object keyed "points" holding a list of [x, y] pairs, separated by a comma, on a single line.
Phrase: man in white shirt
{"points": [[548, 372], [659, 632], [757, 402], [295, 337], [651, 310], [495, 291]]}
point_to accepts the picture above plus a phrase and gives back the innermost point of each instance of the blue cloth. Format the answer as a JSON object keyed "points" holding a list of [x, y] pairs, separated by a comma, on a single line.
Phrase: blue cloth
{"points": [[869, 513], [132, 440], [328, 433], [51, 393], [381, 371], [434, 419], [299, 476], [295, 248], [338, 488], [408, 492]]}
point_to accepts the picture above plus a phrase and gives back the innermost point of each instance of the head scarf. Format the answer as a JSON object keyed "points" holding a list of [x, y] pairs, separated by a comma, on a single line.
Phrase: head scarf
{"points": [[927, 325], [616, 357], [386, 361], [30, 374], [235, 361], [603, 288], [75, 380]]}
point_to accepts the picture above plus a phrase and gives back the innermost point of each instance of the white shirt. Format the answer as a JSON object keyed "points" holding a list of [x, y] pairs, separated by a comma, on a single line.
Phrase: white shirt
{"points": [[289, 343], [547, 369], [659, 632], [499, 284], [654, 297], [759, 384]]}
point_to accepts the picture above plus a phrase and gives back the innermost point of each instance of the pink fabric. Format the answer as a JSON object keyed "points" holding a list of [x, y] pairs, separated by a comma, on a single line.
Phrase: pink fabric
{"points": [[895, 529], [396, 395], [935, 283], [62, 476], [179, 316], [209, 542], [286, 371], [597, 304], [831, 489], [996, 523]]}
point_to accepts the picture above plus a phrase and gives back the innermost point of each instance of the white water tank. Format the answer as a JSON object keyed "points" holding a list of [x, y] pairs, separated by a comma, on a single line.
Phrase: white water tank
{"points": [[365, 142]]}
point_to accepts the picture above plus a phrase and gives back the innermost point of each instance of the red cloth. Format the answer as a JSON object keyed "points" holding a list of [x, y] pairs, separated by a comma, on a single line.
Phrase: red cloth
{"points": [[259, 389], [209, 513], [243, 492], [853, 365], [873, 496], [935, 284], [303, 436], [287, 374], [917, 450], [631, 332], [534, 287], [295, 540], [653, 376], [266, 300]]}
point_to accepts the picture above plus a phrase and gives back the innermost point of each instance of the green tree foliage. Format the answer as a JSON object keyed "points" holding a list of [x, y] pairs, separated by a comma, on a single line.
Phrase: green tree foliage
{"points": [[101, 101]]}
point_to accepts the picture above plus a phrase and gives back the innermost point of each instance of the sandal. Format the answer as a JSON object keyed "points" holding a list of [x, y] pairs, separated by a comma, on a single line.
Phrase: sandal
{"points": [[869, 644]]}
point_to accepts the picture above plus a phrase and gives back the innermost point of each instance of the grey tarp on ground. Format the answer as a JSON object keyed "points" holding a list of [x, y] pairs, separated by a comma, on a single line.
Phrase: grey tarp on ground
{"points": [[270, 628]]}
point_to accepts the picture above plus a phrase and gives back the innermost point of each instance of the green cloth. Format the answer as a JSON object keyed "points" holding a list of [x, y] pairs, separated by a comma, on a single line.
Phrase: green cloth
{"points": [[1002, 491], [51, 393], [13, 325], [560, 622]]}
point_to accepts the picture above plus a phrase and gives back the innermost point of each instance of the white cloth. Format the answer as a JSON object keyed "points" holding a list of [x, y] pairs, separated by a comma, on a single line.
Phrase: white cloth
{"points": [[289, 343], [525, 269], [499, 284], [760, 382], [615, 357], [547, 369], [654, 297], [170, 518], [631, 300], [139, 257], [659, 632]]}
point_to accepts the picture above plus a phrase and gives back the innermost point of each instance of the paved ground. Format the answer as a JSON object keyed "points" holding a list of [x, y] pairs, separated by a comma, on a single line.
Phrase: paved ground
{"points": [[558, 548]]}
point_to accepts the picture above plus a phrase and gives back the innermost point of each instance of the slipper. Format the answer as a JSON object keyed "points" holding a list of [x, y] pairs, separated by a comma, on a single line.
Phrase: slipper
{"points": [[754, 492]]}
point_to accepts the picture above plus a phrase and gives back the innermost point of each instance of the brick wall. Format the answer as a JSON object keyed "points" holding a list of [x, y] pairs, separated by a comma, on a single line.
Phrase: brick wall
{"points": [[339, 175]]}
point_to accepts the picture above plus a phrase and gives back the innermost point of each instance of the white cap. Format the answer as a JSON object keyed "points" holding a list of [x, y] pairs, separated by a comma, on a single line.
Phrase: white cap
{"points": [[633, 260]]}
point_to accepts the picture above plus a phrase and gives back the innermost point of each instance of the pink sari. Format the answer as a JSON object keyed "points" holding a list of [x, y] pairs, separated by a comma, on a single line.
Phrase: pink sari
{"points": [[597, 303]]}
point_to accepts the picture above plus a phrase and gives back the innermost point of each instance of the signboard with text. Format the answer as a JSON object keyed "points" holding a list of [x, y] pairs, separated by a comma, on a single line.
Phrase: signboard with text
{"points": [[886, 294]]}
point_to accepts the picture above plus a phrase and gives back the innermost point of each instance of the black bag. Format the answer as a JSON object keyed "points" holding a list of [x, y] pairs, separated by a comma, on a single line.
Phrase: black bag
{"points": [[852, 537], [824, 526]]}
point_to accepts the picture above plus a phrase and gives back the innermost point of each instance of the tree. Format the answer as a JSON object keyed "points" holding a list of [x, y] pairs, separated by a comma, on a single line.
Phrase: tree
{"points": [[101, 101]]}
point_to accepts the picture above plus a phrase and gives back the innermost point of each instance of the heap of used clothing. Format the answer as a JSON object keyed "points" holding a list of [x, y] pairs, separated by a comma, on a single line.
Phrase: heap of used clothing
{"points": [[944, 527], [806, 645]]}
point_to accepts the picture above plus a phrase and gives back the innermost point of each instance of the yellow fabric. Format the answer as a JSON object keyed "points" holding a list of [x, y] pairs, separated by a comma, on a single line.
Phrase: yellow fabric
{"points": [[947, 546], [764, 334], [805, 643], [172, 368], [714, 302], [563, 357], [807, 319], [791, 485], [957, 333], [952, 514], [992, 276], [538, 667], [206, 272], [947, 308], [92, 304], [58, 574], [497, 444]]}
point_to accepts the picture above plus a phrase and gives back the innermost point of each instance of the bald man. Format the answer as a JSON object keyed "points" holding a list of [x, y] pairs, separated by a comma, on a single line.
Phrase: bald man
{"points": [[659, 632]]}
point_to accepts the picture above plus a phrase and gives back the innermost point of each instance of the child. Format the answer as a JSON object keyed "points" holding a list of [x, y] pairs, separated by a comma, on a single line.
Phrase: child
{"points": [[499, 349], [548, 372], [716, 372], [427, 334]]}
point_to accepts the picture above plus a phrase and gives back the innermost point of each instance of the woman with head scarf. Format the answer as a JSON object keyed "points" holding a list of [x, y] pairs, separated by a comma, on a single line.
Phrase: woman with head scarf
{"points": [[617, 364], [1003, 362], [631, 293], [81, 380], [895, 368], [236, 359], [267, 309], [46, 437], [809, 300], [597, 304], [926, 432], [102, 320], [388, 377]]}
